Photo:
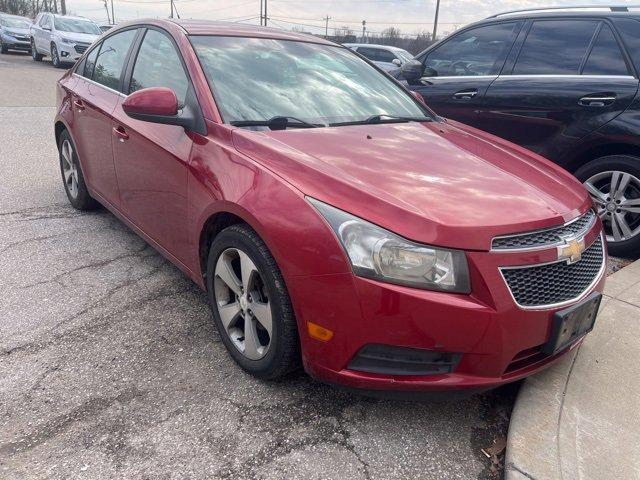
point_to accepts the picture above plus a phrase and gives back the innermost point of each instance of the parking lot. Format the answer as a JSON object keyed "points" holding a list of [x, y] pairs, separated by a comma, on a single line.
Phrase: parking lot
{"points": [[110, 366]]}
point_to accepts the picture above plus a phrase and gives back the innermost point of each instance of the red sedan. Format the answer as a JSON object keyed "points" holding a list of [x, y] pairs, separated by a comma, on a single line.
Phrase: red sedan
{"points": [[332, 218]]}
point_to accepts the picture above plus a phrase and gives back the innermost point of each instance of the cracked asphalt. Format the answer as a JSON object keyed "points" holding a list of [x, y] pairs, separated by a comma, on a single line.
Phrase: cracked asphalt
{"points": [[111, 367]]}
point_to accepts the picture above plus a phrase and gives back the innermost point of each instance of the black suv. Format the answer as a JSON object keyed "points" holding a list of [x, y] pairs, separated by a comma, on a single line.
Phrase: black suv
{"points": [[559, 82]]}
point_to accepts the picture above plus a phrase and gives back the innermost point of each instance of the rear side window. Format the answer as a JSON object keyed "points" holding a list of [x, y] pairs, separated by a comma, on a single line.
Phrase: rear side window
{"points": [[90, 63], [113, 52], [606, 57], [629, 29], [555, 47], [479, 51], [158, 65]]}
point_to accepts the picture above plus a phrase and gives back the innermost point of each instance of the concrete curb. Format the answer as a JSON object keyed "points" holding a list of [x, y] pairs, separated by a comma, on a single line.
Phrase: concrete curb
{"points": [[578, 419]]}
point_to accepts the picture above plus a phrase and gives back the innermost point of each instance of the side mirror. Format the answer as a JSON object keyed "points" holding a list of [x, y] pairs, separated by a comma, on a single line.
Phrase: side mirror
{"points": [[412, 72], [160, 105], [396, 62]]}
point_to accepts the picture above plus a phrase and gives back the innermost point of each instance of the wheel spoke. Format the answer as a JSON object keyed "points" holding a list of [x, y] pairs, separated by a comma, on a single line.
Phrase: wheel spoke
{"points": [[615, 228], [225, 272], [247, 270], [228, 313], [596, 194], [251, 343], [632, 206], [623, 182], [262, 312], [67, 176], [624, 226]]}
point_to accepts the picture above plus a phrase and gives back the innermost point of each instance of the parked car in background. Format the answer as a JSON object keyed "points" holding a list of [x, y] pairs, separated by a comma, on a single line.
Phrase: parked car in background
{"points": [[14, 33], [422, 254], [563, 83], [386, 57], [105, 27], [63, 38]]}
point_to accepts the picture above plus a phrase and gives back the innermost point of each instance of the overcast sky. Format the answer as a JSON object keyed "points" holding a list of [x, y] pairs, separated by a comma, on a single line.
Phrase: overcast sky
{"points": [[408, 15]]}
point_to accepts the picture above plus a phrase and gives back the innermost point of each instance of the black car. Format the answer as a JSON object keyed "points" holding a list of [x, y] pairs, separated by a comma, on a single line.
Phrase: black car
{"points": [[563, 83]]}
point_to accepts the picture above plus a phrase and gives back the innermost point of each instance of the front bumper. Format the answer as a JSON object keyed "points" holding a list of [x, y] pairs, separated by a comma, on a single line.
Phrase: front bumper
{"points": [[69, 53], [497, 341], [13, 43]]}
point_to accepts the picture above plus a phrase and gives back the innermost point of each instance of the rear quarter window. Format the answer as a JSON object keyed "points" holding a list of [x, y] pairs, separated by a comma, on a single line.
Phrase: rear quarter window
{"points": [[629, 30]]}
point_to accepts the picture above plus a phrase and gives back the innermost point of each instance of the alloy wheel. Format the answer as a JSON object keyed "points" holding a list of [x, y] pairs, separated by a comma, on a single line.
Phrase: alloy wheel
{"points": [[617, 197], [243, 304], [69, 168], [54, 56], [34, 52]]}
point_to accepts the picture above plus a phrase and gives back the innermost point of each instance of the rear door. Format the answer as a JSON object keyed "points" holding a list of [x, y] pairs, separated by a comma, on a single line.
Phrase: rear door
{"points": [[459, 70], [151, 159], [565, 79], [95, 97]]}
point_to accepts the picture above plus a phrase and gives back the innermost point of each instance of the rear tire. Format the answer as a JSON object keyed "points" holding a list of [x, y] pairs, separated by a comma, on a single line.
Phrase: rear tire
{"points": [[72, 176], [34, 52], [614, 184], [267, 350]]}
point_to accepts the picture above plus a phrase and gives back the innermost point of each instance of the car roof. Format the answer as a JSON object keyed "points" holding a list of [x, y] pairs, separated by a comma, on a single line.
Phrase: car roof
{"points": [[74, 17], [560, 14], [373, 45], [9, 15], [230, 29]]}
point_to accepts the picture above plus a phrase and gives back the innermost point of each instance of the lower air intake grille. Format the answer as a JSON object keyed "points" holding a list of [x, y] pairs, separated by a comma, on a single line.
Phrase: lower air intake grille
{"points": [[545, 285]]}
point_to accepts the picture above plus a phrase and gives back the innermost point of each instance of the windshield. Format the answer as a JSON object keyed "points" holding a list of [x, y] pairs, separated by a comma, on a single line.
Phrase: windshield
{"points": [[75, 25], [14, 22], [259, 79]]}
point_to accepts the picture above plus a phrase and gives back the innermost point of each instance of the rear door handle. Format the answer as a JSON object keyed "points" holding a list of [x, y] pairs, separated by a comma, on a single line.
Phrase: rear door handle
{"points": [[79, 105], [466, 94], [597, 100], [120, 133]]}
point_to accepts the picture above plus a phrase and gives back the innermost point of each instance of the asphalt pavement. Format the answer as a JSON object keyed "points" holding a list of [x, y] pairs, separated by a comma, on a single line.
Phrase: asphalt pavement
{"points": [[111, 366]]}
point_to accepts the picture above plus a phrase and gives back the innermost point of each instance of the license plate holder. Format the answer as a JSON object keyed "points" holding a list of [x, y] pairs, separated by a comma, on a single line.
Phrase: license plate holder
{"points": [[572, 323]]}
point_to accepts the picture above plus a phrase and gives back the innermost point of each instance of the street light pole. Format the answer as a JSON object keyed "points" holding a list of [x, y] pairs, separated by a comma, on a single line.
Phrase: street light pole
{"points": [[435, 23], [260, 12], [113, 15], [326, 26]]}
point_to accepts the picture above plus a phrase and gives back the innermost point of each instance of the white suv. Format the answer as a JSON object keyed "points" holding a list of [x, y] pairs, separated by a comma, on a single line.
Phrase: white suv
{"points": [[63, 38]]}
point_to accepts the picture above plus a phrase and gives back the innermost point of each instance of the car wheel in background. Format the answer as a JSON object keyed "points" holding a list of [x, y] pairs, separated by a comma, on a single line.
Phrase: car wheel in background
{"points": [[55, 58], [34, 52], [614, 185], [72, 176], [3, 47], [250, 304]]}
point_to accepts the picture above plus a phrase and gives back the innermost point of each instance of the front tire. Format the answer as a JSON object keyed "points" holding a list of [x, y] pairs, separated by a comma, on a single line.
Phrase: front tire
{"points": [[34, 52], [72, 175], [614, 185], [3, 47], [251, 305], [55, 58]]}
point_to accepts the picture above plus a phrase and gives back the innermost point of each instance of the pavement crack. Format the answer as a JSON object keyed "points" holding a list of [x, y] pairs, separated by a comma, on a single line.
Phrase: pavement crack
{"points": [[512, 466]]}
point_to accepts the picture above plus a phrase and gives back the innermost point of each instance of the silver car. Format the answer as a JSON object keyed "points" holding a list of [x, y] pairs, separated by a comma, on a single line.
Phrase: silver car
{"points": [[386, 57], [63, 38], [14, 33]]}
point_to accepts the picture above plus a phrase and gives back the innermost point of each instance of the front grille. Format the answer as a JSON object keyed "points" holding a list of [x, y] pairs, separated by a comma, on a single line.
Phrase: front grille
{"points": [[555, 283], [81, 48], [545, 238], [22, 39]]}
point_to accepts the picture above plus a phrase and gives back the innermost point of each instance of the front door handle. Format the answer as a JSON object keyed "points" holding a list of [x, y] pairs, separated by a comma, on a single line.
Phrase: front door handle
{"points": [[79, 105], [466, 94], [120, 133], [597, 100]]}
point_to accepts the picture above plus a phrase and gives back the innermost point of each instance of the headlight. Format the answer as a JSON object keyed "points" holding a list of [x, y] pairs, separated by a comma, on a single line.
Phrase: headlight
{"points": [[66, 41], [379, 254]]}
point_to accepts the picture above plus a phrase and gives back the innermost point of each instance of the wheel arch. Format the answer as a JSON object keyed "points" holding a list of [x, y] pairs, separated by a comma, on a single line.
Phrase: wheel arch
{"points": [[59, 127], [602, 150]]}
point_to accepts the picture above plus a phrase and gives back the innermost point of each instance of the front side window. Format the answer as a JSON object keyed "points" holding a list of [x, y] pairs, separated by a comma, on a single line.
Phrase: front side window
{"points": [[555, 47], [76, 25], [90, 63], [158, 65], [386, 56], [110, 59], [476, 52], [45, 22], [605, 57], [258, 79]]}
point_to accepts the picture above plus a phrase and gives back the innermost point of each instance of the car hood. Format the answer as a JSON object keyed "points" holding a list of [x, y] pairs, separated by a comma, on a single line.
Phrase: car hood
{"points": [[16, 31], [78, 37], [439, 183]]}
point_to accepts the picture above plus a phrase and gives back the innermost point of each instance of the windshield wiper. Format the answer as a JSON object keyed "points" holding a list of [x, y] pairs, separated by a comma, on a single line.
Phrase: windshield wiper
{"points": [[277, 123], [382, 118]]}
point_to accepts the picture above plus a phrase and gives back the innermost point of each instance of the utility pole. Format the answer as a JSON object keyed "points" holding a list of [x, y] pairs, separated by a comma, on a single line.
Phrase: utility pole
{"points": [[261, 3], [113, 15], [435, 23], [171, 4], [326, 26], [63, 7], [364, 31]]}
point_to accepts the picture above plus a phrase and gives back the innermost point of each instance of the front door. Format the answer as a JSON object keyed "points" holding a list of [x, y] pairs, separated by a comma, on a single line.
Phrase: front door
{"points": [[152, 160], [459, 71], [569, 78]]}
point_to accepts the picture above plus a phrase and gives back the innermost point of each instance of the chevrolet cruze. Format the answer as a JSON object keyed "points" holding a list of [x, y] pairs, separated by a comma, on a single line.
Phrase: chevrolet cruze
{"points": [[331, 217]]}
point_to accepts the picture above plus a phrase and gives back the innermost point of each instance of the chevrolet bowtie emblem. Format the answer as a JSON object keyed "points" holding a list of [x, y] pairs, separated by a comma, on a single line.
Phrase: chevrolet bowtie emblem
{"points": [[571, 251]]}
